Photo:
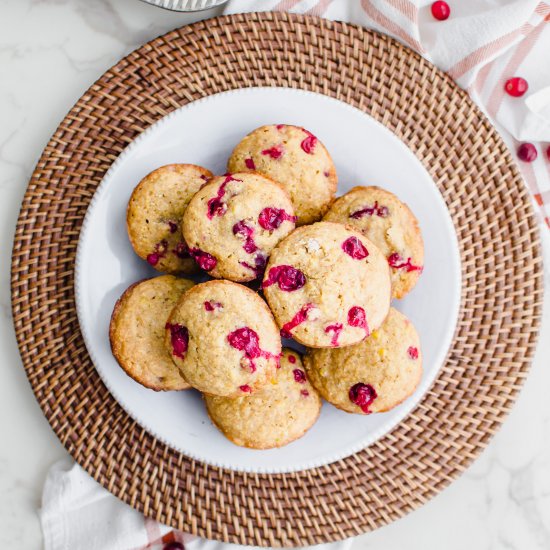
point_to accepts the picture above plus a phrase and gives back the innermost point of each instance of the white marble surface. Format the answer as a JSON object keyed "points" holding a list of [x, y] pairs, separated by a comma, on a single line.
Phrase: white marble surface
{"points": [[50, 53]]}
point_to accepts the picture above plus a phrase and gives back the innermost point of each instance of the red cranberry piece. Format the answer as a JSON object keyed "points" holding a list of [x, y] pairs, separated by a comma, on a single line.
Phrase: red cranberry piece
{"points": [[280, 126], [527, 152], [412, 352], [516, 86], [397, 262], [441, 10], [299, 376], [291, 359], [173, 226], [246, 232], [179, 337], [287, 277], [304, 393], [274, 152], [353, 247], [298, 319], [358, 318], [211, 306], [271, 218], [204, 260], [245, 388], [204, 177], [249, 163], [181, 251], [336, 329], [362, 395], [260, 261], [158, 253], [216, 206], [247, 340], [374, 210], [308, 144]]}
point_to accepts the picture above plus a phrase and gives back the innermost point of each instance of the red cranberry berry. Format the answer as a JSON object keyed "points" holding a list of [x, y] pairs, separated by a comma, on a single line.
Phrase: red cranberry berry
{"points": [[527, 152], [291, 359], [179, 337], [362, 395], [173, 226], [158, 253], [247, 340], [246, 232], [441, 10], [287, 277], [299, 376], [211, 306], [412, 352], [260, 260], [353, 247], [304, 393], [274, 152], [358, 318], [204, 260], [271, 218], [336, 329], [298, 319], [397, 262], [181, 251], [374, 210], [280, 126], [516, 86], [245, 388], [308, 144], [249, 163]]}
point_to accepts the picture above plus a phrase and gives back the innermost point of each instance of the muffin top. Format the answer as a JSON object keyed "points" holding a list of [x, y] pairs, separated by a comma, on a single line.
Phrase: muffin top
{"points": [[136, 332], [281, 412], [232, 224], [154, 214], [297, 159], [224, 339], [375, 375], [390, 225], [327, 285]]}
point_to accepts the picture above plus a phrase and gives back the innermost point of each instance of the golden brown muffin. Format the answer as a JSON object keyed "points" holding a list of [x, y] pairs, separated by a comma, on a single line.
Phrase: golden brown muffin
{"points": [[136, 332]]}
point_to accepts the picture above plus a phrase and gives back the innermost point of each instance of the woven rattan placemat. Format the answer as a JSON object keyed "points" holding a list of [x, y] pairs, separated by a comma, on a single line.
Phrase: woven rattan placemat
{"points": [[501, 298]]}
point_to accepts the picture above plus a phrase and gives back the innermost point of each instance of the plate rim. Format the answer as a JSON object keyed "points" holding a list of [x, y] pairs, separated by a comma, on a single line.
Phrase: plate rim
{"points": [[412, 402]]}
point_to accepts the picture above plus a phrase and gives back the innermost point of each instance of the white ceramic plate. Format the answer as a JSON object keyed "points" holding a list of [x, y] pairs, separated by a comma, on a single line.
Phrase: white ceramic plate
{"points": [[205, 132]]}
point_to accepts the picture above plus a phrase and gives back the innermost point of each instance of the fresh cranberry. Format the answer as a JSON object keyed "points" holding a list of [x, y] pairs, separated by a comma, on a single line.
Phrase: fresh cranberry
{"points": [[291, 359], [362, 395], [298, 319], [353, 247], [245, 388], [173, 226], [216, 206], [211, 306], [181, 251], [274, 152], [326, 173], [412, 352], [527, 152], [271, 218], [358, 318], [280, 126], [516, 86], [287, 277], [304, 393], [158, 253], [299, 376], [441, 10], [179, 337], [260, 261], [249, 163], [397, 262], [204, 260], [375, 209], [247, 340], [336, 329], [246, 232], [308, 144]]}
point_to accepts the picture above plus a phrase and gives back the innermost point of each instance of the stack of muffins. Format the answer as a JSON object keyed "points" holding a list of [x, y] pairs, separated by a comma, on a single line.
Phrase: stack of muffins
{"points": [[276, 271]]}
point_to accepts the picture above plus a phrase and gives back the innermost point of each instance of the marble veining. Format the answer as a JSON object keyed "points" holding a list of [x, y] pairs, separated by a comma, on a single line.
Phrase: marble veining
{"points": [[51, 51]]}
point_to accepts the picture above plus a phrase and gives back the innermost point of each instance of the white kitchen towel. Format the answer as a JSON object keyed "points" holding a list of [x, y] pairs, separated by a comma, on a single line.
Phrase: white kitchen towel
{"points": [[79, 514], [481, 45]]}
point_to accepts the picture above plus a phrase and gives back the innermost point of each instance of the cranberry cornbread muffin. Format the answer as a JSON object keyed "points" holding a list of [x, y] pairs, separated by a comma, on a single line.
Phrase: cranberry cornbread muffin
{"points": [[232, 224], [136, 332], [390, 225], [327, 285], [373, 376], [154, 214], [281, 412], [224, 339], [297, 159]]}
